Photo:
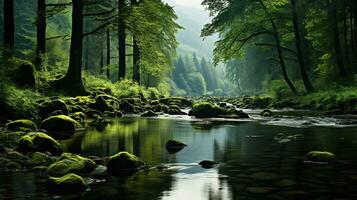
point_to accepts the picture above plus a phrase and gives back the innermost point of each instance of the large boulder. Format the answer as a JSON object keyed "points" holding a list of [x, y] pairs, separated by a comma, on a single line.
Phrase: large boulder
{"points": [[21, 124], [25, 75], [205, 110], [320, 156], [48, 107], [41, 142], [69, 182], [71, 163], [124, 162], [60, 126], [40, 159]]}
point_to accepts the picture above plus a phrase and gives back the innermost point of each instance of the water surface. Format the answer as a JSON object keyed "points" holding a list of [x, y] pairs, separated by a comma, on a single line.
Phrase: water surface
{"points": [[253, 165]]}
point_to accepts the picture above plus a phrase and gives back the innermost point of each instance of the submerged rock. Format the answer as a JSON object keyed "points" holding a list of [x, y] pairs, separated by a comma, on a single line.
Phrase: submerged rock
{"points": [[320, 156], [174, 146], [124, 162], [60, 126], [21, 124], [100, 104], [69, 182], [149, 113], [71, 163], [208, 164], [41, 142]]}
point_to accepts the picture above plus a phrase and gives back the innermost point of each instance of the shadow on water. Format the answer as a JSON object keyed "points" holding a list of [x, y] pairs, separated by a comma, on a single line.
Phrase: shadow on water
{"points": [[252, 164]]}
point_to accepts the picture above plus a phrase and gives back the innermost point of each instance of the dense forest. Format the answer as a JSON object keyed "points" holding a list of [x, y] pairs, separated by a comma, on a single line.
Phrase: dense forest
{"points": [[152, 96]]}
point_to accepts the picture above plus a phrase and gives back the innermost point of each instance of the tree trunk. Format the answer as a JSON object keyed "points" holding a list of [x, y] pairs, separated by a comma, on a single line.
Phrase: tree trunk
{"points": [[86, 53], [121, 39], [102, 55], [336, 39], [279, 50], [9, 29], [108, 53], [136, 60], [41, 32], [298, 40], [72, 82]]}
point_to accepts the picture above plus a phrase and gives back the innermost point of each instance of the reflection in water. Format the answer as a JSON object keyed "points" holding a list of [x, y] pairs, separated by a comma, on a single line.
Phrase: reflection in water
{"points": [[253, 165]]}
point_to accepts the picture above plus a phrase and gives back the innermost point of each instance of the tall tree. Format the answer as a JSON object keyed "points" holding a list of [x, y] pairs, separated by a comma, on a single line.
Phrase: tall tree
{"points": [[41, 32], [298, 41], [9, 28], [108, 53], [121, 38]]}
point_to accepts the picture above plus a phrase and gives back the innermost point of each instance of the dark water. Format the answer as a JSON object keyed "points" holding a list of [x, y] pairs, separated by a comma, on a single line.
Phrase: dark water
{"points": [[253, 165]]}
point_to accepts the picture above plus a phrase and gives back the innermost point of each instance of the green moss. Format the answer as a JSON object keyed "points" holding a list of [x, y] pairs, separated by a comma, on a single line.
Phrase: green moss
{"points": [[71, 163], [60, 126], [39, 158], [21, 124], [205, 110], [69, 182], [126, 107], [124, 161], [320, 156], [48, 107], [149, 113], [37, 141]]}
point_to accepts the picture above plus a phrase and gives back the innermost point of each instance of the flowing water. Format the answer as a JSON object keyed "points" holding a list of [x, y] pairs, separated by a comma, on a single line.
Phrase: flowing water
{"points": [[252, 164]]}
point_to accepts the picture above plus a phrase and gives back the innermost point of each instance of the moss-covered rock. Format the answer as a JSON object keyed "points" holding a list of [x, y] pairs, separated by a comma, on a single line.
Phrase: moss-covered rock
{"points": [[60, 126], [71, 163], [79, 116], [266, 113], [39, 158], [8, 164], [124, 162], [233, 113], [126, 107], [25, 75], [100, 104], [21, 124], [48, 107], [68, 182], [149, 113], [320, 156], [176, 101], [205, 110], [41, 142]]}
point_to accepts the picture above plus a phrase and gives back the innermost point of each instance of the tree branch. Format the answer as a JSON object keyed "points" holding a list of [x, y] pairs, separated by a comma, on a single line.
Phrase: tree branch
{"points": [[273, 45], [96, 29], [100, 13]]}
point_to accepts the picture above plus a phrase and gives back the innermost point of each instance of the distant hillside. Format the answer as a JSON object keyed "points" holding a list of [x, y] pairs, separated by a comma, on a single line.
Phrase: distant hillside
{"points": [[193, 20]]}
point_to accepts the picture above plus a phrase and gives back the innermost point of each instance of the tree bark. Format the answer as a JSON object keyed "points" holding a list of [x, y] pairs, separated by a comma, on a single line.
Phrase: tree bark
{"points": [[136, 61], [336, 39], [102, 55], [298, 40], [108, 53], [9, 28], [121, 40], [41, 33], [72, 82]]}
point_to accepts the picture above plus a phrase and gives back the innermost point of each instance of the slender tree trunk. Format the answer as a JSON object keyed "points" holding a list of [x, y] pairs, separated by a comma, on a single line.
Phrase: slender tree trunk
{"points": [[73, 83], [345, 36], [352, 33], [41, 32], [101, 56], [136, 60], [108, 53], [9, 28], [121, 39], [279, 50], [86, 53], [336, 39], [298, 40]]}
